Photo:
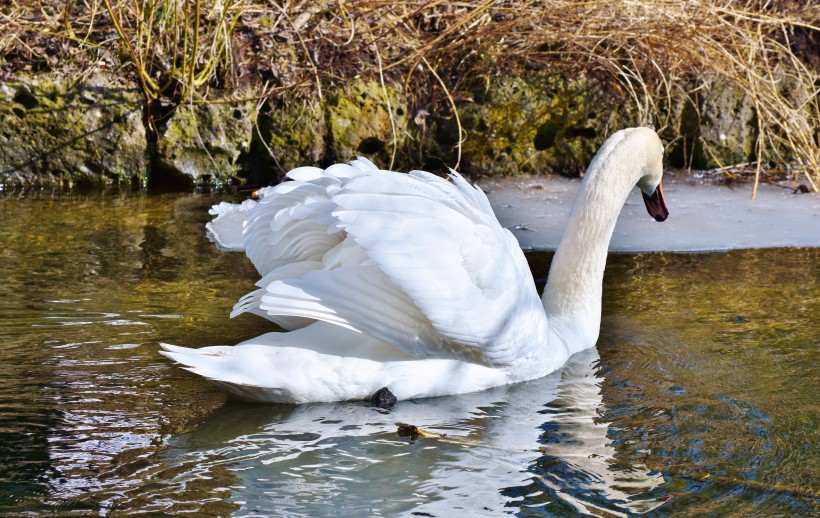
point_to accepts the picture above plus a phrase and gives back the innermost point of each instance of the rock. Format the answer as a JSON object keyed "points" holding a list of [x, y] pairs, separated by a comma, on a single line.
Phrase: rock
{"points": [[715, 126], [204, 142], [359, 122], [525, 125], [346, 123], [383, 398], [92, 133], [296, 133], [728, 128], [61, 133]]}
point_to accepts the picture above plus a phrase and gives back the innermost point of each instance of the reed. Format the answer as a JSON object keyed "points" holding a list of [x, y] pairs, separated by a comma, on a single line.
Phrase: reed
{"points": [[647, 52]]}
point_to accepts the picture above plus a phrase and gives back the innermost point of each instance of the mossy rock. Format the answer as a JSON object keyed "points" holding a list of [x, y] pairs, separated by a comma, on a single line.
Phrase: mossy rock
{"points": [[728, 127], [296, 133], [715, 126], [54, 132], [359, 122], [525, 125], [204, 142]]}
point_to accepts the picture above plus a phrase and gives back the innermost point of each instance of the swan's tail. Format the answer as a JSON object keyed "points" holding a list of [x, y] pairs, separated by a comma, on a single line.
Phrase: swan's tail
{"points": [[213, 364], [323, 362], [294, 367]]}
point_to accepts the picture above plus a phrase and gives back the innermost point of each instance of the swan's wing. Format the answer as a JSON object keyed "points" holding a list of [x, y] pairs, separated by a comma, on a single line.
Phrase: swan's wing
{"points": [[225, 230], [288, 232], [440, 243], [419, 262], [293, 222]]}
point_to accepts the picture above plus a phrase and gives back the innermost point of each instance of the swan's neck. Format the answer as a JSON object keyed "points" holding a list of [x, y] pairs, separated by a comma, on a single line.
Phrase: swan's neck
{"points": [[572, 297]]}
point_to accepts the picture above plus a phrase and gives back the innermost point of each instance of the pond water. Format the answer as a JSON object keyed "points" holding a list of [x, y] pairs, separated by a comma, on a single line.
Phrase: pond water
{"points": [[700, 398]]}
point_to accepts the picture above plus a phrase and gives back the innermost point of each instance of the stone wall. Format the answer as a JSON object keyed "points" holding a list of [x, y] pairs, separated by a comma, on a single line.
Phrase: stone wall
{"points": [[55, 132], [96, 132]]}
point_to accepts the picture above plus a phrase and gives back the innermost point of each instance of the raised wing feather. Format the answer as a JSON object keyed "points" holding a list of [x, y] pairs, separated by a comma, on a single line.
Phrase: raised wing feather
{"points": [[293, 222], [410, 259], [225, 230], [441, 244]]}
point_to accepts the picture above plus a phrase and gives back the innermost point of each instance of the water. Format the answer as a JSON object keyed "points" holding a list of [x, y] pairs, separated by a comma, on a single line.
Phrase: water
{"points": [[701, 397]]}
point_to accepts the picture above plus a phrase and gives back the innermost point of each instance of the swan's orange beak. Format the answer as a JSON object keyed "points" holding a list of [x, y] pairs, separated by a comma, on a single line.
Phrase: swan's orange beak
{"points": [[656, 204]]}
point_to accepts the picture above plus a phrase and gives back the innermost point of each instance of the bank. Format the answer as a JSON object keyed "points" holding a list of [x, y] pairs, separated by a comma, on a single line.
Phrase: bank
{"points": [[184, 95]]}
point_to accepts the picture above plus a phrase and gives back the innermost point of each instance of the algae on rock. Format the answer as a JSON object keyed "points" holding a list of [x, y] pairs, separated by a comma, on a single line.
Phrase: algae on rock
{"points": [[534, 124], [296, 133], [203, 142], [359, 122], [350, 122], [728, 126], [54, 132], [715, 126]]}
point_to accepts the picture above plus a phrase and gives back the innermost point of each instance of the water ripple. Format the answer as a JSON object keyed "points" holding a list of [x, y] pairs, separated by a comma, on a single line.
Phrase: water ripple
{"points": [[702, 402]]}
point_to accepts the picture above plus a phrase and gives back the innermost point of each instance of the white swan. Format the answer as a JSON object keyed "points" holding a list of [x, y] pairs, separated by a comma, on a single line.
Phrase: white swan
{"points": [[407, 281]]}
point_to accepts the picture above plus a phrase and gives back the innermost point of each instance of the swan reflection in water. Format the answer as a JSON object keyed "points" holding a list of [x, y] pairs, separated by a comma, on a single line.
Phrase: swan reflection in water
{"points": [[507, 449]]}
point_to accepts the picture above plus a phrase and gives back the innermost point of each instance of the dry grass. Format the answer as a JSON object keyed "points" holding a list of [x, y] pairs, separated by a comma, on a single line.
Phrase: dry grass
{"points": [[648, 52]]}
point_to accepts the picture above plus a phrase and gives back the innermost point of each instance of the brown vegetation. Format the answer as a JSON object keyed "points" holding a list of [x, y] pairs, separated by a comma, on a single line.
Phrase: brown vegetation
{"points": [[647, 52]]}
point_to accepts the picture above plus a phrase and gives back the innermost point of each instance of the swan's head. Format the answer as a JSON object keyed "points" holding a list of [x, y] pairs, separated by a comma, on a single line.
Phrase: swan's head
{"points": [[650, 181]]}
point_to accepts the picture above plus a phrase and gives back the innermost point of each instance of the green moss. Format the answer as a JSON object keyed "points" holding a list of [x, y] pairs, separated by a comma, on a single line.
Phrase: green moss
{"points": [[353, 121], [359, 121], [204, 142], [728, 126], [533, 124], [53, 132], [716, 126], [296, 134]]}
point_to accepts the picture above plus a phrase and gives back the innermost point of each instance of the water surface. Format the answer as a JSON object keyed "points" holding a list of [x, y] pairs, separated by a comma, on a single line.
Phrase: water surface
{"points": [[701, 396]]}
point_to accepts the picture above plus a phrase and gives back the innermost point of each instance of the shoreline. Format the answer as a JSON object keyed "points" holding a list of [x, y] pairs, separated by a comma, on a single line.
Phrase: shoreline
{"points": [[704, 216]]}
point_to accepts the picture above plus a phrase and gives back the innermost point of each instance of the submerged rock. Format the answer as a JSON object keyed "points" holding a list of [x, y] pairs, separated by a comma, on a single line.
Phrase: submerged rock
{"points": [[383, 398]]}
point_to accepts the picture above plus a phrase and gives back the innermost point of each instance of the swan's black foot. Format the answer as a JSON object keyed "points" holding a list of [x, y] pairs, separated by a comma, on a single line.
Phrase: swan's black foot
{"points": [[383, 398]]}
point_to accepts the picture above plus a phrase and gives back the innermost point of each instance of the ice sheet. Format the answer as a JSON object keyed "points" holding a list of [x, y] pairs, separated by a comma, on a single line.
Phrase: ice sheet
{"points": [[702, 217]]}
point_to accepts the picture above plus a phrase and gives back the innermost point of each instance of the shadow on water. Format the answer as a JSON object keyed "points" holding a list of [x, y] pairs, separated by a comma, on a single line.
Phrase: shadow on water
{"points": [[699, 399]]}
